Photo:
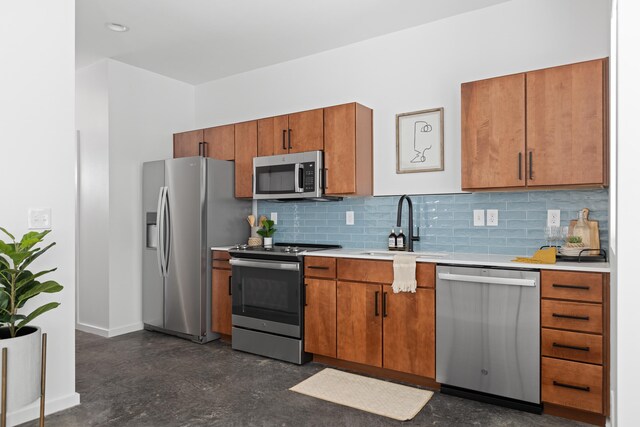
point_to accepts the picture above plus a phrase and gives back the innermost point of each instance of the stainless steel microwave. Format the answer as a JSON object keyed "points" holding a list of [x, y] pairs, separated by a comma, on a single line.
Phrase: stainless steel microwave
{"points": [[289, 176]]}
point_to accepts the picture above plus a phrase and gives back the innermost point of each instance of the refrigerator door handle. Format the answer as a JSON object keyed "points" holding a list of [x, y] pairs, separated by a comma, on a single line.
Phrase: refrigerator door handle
{"points": [[166, 240], [159, 228]]}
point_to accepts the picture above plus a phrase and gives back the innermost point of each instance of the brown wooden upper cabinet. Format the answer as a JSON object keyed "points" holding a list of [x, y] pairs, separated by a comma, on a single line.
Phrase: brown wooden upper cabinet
{"points": [[493, 133], [219, 142], [348, 150], [246, 148], [188, 144], [291, 133], [216, 143], [545, 128]]}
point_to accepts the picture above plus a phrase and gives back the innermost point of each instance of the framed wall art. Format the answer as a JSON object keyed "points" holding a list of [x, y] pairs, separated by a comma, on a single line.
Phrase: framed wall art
{"points": [[420, 141]]}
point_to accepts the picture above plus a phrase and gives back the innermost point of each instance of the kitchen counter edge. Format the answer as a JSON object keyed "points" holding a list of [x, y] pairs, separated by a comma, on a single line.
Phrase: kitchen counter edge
{"points": [[461, 259]]}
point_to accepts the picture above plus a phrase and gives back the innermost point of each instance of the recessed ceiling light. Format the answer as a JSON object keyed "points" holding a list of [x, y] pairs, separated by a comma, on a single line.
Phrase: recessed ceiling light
{"points": [[118, 28]]}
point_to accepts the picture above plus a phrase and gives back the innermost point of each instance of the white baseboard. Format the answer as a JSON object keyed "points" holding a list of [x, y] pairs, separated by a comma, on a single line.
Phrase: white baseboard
{"points": [[109, 333], [32, 411], [96, 330], [138, 326]]}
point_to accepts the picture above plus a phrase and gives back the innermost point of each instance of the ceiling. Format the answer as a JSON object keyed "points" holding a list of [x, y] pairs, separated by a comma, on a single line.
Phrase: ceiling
{"points": [[201, 40]]}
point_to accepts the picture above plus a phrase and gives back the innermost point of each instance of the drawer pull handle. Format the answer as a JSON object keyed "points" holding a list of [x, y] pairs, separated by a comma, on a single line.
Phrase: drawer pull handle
{"points": [[221, 259], [317, 267], [586, 288], [573, 387], [571, 347], [570, 316]]}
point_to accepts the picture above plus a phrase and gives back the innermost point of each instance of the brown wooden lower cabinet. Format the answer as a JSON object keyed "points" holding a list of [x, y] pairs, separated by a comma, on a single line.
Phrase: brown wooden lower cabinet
{"points": [[320, 317], [573, 384], [359, 330], [221, 301], [409, 331]]}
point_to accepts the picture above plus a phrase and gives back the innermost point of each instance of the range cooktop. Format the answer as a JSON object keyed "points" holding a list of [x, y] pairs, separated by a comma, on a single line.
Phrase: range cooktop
{"points": [[278, 250]]}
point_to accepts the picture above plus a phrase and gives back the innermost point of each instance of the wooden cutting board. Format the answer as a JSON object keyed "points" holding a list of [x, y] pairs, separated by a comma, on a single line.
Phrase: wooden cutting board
{"points": [[594, 230]]}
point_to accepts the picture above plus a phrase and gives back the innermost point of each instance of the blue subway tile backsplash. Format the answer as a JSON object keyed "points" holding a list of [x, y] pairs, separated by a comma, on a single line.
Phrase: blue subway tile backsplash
{"points": [[445, 221]]}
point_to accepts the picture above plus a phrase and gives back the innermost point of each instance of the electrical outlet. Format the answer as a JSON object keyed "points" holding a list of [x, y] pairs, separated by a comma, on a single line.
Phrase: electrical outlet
{"points": [[553, 218], [350, 218], [492, 217], [478, 217], [274, 217], [39, 219]]}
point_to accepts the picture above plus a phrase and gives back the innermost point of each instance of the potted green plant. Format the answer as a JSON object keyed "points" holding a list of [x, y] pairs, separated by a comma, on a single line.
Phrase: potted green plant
{"points": [[18, 285], [266, 232]]}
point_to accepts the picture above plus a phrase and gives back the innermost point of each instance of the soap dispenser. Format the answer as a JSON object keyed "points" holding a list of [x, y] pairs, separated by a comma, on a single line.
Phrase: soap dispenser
{"points": [[401, 241], [393, 238]]}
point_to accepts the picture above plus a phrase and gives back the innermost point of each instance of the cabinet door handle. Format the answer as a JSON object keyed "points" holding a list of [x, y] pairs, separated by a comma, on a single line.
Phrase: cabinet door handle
{"points": [[384, 304], [325, 181], [199, 148], [284, 139], [317, 267], [520, 166], [229, 285], [375, 302], [570, 347], [573, 387], [570, 316], [531, 165], [221, 259], [305, 294], [289, 139], [586, 288], [205, 148]]}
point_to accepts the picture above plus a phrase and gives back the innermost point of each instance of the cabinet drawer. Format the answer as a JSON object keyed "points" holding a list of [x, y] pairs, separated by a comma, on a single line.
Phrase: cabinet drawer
{"points": [[572, 346], [360, 270], [220, 259], [573, 384], [319, 267], [575, 316], [572, 286]]}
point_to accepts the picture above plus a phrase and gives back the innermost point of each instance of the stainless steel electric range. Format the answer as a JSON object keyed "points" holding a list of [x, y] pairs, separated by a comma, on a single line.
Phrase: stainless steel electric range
{"points": [[268, 299]]}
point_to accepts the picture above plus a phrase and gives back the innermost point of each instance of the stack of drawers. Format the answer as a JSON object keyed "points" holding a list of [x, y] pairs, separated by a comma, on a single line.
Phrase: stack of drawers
{"points": [[575, 340]]}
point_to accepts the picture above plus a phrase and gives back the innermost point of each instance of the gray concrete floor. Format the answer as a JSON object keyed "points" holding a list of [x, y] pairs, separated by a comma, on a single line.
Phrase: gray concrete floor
{"points": [[150, 379]]}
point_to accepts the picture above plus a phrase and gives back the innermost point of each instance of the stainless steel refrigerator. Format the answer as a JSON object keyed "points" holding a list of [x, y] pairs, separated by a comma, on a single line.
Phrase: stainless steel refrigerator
{"points": [[188, 207]]}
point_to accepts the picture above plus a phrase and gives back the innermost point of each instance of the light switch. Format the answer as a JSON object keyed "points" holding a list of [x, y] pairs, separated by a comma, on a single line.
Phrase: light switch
{"points": [[39, 218], [492, 217], [274, 217], [478, 217], [350, 218], [553, 218]]}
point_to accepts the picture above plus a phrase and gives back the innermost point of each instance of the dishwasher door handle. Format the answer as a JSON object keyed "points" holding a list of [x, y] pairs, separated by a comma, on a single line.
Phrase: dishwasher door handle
{"points": [[484, 279]]}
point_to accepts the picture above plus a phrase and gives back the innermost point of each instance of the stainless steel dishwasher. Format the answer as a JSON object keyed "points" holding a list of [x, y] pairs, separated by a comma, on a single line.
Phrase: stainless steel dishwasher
{"points": [[488, 334]]}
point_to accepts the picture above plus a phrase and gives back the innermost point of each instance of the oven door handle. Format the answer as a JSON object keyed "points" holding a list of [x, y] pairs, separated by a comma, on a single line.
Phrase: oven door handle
{"points": [[298, 178], [291, 266]]}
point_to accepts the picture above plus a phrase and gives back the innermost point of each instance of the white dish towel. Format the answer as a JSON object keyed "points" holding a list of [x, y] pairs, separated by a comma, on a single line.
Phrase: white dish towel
{"points": [[404, 273]]}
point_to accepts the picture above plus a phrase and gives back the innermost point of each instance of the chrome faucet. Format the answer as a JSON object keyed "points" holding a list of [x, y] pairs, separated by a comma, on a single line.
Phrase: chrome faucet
{"points": [[411, 238]]}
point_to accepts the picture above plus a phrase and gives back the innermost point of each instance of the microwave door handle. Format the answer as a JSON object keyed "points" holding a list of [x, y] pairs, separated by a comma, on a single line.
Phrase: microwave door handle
{"points": [[297, 179]]}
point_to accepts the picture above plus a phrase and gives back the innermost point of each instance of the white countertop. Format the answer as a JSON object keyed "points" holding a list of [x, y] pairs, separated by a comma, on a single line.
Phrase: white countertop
{"points": [[456, 259]]}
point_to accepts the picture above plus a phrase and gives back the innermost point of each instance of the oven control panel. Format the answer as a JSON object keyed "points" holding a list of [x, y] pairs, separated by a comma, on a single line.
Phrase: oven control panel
{"points": [[309, 180]]}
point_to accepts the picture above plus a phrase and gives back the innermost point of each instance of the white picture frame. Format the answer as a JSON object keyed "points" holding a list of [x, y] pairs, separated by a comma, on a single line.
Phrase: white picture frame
{"points": [[420, 141]]}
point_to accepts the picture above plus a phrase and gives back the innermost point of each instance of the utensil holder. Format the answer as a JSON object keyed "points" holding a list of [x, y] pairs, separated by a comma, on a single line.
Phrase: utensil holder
{"points": [[254, 231]]}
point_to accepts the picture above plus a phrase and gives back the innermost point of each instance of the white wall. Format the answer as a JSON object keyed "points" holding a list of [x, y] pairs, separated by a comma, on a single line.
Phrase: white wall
{"points": [[416, 69], [37, 165], [145, 110], [628, 233], [92, 119], [126, 116]]}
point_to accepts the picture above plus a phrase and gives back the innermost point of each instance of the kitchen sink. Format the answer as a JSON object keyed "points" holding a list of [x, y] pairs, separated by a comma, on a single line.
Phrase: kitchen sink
{"points": [[390, 254]]}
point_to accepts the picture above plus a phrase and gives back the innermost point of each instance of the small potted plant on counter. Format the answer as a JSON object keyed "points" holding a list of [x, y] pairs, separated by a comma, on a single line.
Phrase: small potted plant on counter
{"points": [[266, 232], [17, 286]]}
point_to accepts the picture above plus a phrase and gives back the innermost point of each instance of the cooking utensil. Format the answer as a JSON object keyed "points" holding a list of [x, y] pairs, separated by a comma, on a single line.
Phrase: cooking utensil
{"points": [[261, 220], [252, 220]]}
